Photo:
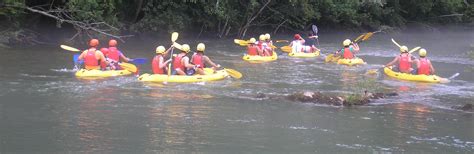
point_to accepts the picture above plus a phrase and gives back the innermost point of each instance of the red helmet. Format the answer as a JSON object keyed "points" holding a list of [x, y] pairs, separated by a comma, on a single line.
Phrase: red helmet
{"points": [[94, 42], [112, 43], [297, 36], [104, 50]]}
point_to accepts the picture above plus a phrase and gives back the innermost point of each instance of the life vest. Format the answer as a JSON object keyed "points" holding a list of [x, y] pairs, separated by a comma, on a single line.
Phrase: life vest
{"points": [[262, 45], [424, 66], [155, 65], [252, 50], [177, 62], [197, 60], [90, 61], [113, 54], [297, 46], [404, 64], [348, 53]]}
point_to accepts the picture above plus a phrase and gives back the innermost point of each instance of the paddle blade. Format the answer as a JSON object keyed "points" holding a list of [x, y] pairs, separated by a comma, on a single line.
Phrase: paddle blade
{"points": [[414, 49], [65, 47], [174, 36], [358, 38], [233, 73], [367, 36], [236, 41], [129, 67], [75, 57], [453, 76], [286, 48], [395, 42], [138, 61], [315, 29]]}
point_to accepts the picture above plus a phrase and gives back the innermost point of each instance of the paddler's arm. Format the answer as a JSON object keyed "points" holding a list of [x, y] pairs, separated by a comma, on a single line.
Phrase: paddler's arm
{"points": [[101, 57], [163, 64], [81, 56], [356, 47], [209, 61], [431, 67], [187, 64], [126, 59], [392, 62]]}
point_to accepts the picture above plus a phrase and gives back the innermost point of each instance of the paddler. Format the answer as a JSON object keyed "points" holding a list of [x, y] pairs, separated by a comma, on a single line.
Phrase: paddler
{"points": [[404, 61], [92, 58], [262, 45], [181, 61], [310, 43], [200, 60], [253, 49], [348, 49], [423, 64], [269, 44], [158, 64], [297, 44], [114, 55]]}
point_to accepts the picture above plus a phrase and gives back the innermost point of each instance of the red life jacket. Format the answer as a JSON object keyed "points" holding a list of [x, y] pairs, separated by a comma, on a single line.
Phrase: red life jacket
{"points": [[347, 53], [252, 50], [197, 60], [113, 54], [177, 62], [90, 61], [155, 65], [404, 64], [424, 67]]}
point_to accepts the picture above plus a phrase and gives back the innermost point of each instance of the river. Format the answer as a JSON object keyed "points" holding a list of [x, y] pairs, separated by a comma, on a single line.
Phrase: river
{"points": [[45, 109]]}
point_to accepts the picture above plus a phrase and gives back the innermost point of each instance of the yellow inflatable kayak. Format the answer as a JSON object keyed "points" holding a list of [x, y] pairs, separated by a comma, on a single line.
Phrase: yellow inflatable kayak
{"points": [[211, 76], [411, 77], [258, 59], [304, 55], [350, 62], [331, 58], [100, 73]]}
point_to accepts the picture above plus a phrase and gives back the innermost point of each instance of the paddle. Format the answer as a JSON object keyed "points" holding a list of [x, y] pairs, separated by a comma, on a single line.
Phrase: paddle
{"points": [[233, 73], [395, 42], [278, 41], [129, 67], [174, 37], [138, 61], [65, 47], [315, 31]]}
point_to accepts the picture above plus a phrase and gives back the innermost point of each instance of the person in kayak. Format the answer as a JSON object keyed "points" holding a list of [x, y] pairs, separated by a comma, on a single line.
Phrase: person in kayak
{"points": [[158, 64], [310, 43], [262, 45], [200, 60], [92, 58], [181, 61], [103, 65], [253, 49], [297, 45], [269, 44], [423, 64], [404, 61], [114, 55], [348, 49]]}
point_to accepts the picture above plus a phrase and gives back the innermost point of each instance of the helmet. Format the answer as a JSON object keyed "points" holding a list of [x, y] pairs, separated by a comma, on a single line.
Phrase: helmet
{"points": [[267, 36], [94, 42], [297, 36], [422, 52], [346, 42], [185, 48], [403, 49], [201, 47], [252, 40], [261, 37], [160, 49], [112, 43]]}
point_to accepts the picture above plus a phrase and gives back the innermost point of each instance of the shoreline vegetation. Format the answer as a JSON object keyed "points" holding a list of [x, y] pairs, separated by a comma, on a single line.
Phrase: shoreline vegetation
{"points": [[28, 22]]}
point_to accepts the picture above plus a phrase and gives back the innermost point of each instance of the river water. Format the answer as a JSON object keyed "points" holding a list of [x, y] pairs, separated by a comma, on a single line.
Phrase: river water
{"points": [[45, 108]]}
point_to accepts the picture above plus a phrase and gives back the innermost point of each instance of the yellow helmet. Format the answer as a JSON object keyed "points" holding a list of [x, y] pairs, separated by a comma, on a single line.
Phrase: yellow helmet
{"points": [[262, 37], [160, 49], [201, 47], [185, 48], [422, 52], [267, 36], [403, 49], [252, 40], [346, 42]]}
